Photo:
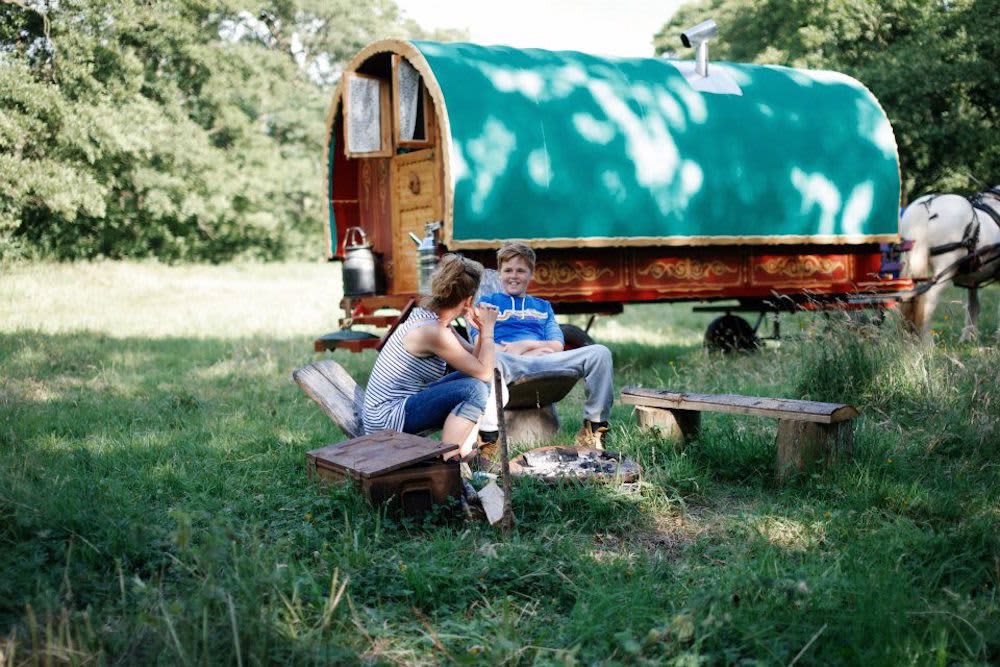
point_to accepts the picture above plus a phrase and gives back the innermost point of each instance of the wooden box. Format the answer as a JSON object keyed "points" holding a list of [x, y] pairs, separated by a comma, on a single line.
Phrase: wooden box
{"points": [[404, 472]]}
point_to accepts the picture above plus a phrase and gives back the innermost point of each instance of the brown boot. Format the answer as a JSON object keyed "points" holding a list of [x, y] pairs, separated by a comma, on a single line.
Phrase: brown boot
{"points": [[591, 434], [488, 444]]}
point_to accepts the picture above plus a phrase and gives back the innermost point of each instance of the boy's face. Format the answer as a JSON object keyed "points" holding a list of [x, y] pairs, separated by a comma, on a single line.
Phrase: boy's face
{"points": [[515, 275]]}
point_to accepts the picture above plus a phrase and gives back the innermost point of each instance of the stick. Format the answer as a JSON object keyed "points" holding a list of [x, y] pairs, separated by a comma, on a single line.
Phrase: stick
{"points": [[507, 520], [808, 644]]}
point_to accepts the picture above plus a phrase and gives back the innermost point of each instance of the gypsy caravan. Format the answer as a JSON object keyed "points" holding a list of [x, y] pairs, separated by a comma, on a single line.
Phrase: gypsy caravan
{"points": [[635, 179]]}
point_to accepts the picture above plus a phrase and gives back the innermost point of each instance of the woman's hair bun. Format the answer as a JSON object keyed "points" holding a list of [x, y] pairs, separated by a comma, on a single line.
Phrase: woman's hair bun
{"points": [[455, 279]]}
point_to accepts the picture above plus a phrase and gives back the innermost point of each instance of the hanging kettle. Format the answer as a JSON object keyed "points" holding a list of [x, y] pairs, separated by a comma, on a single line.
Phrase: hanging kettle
{"points": [[359, 264]]}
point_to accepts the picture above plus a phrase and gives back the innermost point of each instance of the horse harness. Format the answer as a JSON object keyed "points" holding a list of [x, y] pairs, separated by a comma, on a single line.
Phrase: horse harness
{"points": [[973, 260]]}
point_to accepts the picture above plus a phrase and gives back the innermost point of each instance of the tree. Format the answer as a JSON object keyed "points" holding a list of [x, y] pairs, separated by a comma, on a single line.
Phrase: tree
{"points": [[182, 129], [931, 64]]}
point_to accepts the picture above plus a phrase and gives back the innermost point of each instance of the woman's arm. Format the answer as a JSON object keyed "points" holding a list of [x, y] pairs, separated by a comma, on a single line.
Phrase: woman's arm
{"points": [[464, 343], [443, 342], [447, 346]]}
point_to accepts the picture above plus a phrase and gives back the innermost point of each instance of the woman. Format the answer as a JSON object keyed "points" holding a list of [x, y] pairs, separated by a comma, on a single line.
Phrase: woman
{"points": [[408, 390]]}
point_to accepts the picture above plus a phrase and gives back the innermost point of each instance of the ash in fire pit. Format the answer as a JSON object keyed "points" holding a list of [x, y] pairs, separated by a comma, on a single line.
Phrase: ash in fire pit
{"points": [[555, 463]]}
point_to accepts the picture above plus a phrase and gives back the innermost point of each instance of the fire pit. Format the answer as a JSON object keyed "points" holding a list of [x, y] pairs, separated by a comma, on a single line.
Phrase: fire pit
{"points": [[557, 463]]}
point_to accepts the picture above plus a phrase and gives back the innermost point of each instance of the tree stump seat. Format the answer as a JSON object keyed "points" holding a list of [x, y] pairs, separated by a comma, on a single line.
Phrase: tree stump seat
{"points": [[530, 414], [811, 434]]}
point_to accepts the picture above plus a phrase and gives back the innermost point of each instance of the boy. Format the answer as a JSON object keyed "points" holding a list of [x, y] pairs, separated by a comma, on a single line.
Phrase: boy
{"points": [[529, 340]]}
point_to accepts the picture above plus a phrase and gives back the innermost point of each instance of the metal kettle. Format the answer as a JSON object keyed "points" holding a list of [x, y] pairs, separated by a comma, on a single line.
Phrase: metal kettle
{"points": [[359, 264]]}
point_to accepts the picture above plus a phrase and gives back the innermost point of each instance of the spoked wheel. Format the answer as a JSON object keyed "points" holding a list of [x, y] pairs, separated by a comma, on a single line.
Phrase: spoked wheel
{"points": [[575, 336], [731, 333]]}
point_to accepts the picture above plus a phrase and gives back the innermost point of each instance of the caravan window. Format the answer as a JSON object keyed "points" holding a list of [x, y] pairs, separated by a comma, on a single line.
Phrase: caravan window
{"points": [[367, 103], [413, 123]]}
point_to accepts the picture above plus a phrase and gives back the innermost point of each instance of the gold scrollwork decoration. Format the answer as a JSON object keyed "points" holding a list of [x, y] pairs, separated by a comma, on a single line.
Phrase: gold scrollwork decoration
{"points": [[801, 266], [561, 273], [687, 269]]}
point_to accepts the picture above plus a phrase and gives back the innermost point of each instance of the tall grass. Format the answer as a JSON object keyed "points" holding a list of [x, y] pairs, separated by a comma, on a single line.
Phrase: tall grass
{"points": [[154, 505]]}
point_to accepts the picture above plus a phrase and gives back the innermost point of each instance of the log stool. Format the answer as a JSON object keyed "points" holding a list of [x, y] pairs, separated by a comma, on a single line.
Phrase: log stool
{"points": [[530, 415]]}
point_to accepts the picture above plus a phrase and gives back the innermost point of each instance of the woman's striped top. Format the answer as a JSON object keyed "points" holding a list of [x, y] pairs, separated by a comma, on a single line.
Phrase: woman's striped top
{"points": [[397, 375]]}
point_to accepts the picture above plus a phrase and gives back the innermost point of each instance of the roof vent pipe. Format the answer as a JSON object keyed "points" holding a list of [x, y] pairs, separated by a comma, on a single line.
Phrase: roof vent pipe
{"points": [[698, 37]]}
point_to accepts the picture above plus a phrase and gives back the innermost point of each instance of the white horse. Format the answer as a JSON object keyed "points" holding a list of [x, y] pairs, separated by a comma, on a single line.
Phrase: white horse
{"points": [[957, 240]]}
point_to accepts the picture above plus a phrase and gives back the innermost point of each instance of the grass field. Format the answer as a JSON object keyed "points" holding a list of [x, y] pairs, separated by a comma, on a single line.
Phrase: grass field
{"points": [[154, 506]]}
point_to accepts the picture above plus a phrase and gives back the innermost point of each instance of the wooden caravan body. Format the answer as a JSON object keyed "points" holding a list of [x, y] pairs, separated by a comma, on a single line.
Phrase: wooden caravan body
{"points": [[632, 178]]}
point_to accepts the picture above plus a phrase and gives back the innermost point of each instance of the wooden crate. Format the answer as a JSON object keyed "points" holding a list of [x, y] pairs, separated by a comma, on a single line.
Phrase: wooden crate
{"points": [[404, 472]]}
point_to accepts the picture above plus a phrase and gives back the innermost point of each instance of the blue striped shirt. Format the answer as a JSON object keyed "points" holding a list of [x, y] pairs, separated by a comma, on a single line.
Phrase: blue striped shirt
{"points": [[397, 375]]}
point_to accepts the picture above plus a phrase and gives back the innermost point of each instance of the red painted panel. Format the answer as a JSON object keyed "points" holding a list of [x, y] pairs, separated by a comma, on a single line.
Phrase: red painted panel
{"points": [[800, 271], [587, 275], [687, 272], [636, 275]]}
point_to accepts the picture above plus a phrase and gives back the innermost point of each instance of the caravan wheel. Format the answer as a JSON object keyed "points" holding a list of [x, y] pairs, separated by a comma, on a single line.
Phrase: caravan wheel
{"points": [[730, 333]]}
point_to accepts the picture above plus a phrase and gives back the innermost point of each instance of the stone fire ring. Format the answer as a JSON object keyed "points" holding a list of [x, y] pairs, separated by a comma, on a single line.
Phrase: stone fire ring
{"points": [[556, 463]]}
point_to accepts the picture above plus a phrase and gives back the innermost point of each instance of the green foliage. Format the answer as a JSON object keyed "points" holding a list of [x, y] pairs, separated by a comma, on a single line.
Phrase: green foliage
{"points": [[929, 62], [154, 505], [181, 129]]}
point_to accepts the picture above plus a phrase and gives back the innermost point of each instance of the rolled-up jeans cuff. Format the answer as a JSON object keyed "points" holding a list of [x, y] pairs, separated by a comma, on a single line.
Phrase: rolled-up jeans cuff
{"points": [[471, 410], [468, 410]]}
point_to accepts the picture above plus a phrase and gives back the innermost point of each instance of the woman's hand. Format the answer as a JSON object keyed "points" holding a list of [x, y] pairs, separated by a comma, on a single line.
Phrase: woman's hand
{"points": [[473, 318], [486, 314], [466, 451]]}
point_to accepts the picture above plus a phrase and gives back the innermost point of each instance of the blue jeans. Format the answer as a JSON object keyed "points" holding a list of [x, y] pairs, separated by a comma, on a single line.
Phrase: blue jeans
{"points": [[455, 393]]}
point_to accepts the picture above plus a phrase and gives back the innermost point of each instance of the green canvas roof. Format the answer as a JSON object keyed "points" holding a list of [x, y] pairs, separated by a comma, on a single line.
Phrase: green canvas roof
{"points": [[565, 148]]}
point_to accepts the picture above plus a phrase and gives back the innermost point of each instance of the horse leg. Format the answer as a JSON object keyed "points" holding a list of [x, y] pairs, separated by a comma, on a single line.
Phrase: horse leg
{"points": [[924, 307], [969, 332], [908, 310]]}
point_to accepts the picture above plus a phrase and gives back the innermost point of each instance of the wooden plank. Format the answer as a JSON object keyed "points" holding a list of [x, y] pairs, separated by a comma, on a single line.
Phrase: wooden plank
{"points": [[375, 320], [335, 391], [379, 453], [374, 211], [780, 408]]}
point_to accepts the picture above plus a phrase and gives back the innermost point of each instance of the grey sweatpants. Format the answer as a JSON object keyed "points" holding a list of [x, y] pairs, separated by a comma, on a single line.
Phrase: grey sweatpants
{"points": [[592, 363]]}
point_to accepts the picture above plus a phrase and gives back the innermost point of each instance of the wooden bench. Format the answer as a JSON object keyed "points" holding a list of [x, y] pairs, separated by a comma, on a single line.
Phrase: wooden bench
{"points": [[530, 415], [810, 433]]}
